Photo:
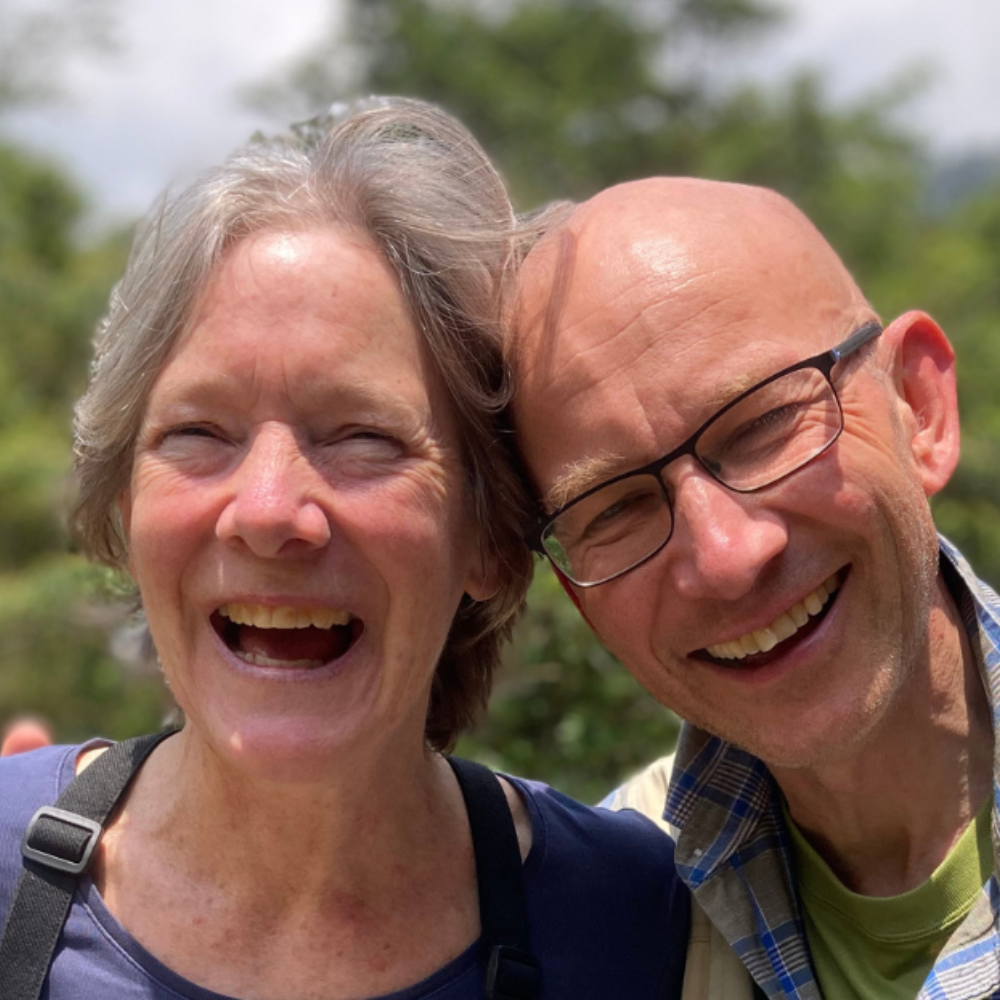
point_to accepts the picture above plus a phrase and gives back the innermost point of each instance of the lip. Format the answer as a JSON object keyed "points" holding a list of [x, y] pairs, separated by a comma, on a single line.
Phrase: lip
{"points": [[773, 664], [287, 675]]}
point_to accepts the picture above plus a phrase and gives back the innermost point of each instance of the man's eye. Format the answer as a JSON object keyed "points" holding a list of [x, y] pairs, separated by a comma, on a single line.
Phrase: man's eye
{"points": [[775, 424], [621, 512], [610, 512]]}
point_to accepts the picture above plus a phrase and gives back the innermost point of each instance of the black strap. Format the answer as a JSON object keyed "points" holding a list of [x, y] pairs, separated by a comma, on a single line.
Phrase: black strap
{"points": [[512, 971], [56, 850], [59, 843]]}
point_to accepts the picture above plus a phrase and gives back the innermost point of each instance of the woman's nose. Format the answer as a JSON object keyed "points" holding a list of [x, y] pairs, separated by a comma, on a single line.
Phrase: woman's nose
{"points": [[722, 540], [273, 508]]}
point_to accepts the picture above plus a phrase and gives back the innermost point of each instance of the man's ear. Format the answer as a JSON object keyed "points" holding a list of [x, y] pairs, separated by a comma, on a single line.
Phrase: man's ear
{"points": [[924, 373]]}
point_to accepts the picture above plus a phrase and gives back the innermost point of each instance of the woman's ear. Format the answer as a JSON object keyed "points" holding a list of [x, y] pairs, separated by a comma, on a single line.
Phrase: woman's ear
{"points": [[483, 582], [924, 375]]}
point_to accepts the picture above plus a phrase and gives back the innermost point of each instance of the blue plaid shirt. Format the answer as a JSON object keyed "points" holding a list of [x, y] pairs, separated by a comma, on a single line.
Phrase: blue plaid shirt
{"points": [[734, 852]]}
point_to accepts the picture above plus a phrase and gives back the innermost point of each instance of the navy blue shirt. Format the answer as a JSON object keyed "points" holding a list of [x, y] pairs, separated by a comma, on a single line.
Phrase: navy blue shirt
{"points": [[608, 914]]}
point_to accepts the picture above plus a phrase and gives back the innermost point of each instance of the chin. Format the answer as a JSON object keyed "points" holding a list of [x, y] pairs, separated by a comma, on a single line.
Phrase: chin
{"points": [[807, 739], [284, 749]]}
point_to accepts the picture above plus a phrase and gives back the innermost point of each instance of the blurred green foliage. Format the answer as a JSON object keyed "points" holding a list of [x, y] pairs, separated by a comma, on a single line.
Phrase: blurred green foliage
{"points": [[564, 710], [568, 96], [54, 619]]}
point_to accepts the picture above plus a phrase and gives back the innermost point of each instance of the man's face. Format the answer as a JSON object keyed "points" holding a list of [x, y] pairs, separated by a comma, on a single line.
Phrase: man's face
{"points": [[648, 338]]}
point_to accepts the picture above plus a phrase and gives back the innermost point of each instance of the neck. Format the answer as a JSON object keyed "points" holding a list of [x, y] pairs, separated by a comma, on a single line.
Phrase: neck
{"points": [[206, 818], [885, 814]]}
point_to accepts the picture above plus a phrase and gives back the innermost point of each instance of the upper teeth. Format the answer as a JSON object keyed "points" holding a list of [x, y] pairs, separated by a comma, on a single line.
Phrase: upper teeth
{"points": [[264, 616], [785, 625]]}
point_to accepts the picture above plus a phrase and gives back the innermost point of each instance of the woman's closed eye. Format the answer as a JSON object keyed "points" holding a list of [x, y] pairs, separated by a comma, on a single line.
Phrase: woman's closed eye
{"points": [[192, 431], [190, 445], [191, 436], [360, 445]]}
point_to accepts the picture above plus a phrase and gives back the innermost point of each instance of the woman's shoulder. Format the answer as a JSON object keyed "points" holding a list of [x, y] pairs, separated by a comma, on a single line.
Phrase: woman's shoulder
{"points": [[27, 781], [607, 906], [38, 776], [627, 859], [619, 837]]}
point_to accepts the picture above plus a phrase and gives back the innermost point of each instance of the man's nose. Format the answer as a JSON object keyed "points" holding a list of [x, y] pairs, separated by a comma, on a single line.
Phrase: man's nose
{"points": [[722, 540], [274, 506]]}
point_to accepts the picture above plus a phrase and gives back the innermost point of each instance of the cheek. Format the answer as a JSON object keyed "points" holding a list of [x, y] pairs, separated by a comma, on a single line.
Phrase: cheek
{"points": [[625, 619], [164, 527], [419, 524]]}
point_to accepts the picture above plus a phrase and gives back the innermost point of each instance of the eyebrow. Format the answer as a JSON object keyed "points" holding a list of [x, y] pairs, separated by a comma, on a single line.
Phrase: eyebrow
{"points": [[580, 477], [721, 395]]}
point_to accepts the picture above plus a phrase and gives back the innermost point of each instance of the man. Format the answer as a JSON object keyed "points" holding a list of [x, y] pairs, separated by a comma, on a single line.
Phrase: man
{"points": [[759, 552]]}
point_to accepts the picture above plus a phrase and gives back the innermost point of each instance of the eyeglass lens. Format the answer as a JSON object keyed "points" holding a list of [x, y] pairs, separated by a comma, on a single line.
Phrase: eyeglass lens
{"points": [[765, 436]]}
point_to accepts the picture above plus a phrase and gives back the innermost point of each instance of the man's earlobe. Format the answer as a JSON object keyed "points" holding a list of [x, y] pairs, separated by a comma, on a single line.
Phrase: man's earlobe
{"points": [[925, 375]]}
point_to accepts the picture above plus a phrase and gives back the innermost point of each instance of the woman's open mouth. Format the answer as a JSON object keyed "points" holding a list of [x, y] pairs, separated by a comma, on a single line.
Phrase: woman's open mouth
{"points": [[763, 645], [284, 636]]}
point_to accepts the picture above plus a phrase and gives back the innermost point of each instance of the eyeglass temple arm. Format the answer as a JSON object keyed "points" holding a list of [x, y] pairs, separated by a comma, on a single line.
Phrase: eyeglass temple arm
{"points": [[856, 340]]}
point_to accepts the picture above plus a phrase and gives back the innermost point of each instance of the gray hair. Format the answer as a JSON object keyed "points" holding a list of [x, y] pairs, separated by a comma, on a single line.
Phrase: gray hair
{"points": [[415, 183]]}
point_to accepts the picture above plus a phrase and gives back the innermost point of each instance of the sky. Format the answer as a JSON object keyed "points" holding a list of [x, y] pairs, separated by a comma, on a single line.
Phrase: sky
{"points": [[169, 101]]}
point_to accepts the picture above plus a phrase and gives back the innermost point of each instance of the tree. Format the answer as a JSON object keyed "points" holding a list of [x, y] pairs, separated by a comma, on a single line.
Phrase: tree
{"points": [[55, 630]]}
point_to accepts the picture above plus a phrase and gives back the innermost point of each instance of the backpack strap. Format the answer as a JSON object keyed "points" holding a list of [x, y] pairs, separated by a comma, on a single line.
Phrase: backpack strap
{"points": [[512, 970], [59, 843], [57, 848]]}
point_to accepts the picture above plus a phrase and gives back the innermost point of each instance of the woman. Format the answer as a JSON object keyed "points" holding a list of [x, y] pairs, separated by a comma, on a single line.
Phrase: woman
{"points": [[289, 443]]}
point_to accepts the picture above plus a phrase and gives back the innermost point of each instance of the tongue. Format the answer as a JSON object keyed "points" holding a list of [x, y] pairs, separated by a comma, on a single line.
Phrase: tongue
{"points": [[317, 644]]}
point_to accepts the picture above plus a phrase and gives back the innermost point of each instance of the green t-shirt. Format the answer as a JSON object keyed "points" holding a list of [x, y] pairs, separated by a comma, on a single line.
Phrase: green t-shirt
{"points": [[882, 948]]}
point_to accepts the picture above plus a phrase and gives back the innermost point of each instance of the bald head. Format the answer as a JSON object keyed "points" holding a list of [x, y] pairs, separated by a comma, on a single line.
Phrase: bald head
{"points": [[642, 276]]}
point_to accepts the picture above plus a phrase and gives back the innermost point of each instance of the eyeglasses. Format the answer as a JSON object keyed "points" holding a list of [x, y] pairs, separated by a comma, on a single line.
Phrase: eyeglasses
{"points": [[757, 439]]}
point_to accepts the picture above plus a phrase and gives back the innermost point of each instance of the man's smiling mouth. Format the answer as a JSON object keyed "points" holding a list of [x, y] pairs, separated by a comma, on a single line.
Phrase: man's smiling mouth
{"points": [[285, 636], [786, 625]]}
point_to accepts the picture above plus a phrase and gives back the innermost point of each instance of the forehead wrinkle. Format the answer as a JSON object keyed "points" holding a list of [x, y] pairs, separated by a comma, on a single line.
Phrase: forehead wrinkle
{"points": [[540, 332]]}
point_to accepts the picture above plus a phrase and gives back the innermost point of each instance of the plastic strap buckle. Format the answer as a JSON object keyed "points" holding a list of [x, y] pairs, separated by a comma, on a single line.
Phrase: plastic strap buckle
{"points": [[513, 974], [77, 855]]}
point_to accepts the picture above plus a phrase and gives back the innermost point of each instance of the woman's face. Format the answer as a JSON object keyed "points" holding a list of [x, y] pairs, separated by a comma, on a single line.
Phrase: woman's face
{"points": [[296, 515]]}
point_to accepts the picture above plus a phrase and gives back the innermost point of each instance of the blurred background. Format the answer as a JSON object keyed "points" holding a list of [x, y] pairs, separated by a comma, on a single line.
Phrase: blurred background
{"points": [[879, 118]]}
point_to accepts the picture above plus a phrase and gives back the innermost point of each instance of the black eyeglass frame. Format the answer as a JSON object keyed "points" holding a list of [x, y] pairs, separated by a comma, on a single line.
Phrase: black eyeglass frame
{"points": [[823, 362]]}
